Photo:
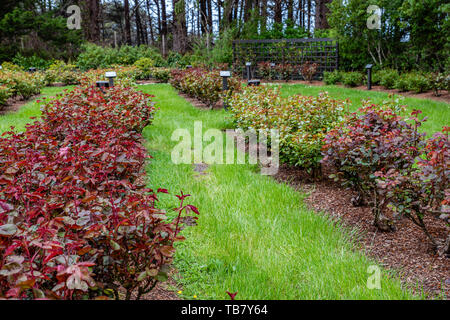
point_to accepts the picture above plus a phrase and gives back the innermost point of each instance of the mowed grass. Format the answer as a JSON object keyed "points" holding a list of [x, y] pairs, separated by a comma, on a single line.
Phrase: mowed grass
{"points": [[438, 113], [254, 235], [31, 109]]}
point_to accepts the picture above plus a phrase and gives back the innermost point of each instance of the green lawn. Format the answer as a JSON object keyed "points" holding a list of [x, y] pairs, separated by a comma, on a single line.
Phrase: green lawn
{"points": [[31, 109], [438, 113], [254, 235]]}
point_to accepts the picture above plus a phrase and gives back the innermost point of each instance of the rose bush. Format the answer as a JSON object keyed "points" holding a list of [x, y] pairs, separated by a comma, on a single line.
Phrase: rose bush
{"points": [[75, 221]]}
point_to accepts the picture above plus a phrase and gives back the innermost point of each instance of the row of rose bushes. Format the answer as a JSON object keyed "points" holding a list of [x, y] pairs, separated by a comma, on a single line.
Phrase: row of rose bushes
{"points": [[376, 151], [68, 74], [202, 84], [17, 83], [76, 220], [391, 79]]}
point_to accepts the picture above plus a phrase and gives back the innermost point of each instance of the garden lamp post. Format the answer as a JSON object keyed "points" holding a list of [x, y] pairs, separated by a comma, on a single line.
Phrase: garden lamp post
{"points": [[369, 76], [250, 81], [225, 75], [102, 84], [110, 76], [248, 65]]}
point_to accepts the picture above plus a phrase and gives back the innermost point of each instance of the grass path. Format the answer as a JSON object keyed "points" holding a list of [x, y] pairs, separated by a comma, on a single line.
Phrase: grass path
{"points": [[254, 235]]}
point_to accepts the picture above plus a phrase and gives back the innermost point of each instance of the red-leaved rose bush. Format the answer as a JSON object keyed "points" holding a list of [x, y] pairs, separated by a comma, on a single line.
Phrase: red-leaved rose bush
{"points": [[385, 158], [75, 220]]}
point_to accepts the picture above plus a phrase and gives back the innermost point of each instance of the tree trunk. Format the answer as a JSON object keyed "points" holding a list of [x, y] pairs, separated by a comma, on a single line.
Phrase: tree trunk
{"points": [[90, 17], [277, 11], [210, 16], [321, 14], [139, 29], [150, 22], [290, 15], [309, 16], [247, 10], [163, 26], [179, 24], [126, 9], [203, 16], [227, 14], [263, 15]]}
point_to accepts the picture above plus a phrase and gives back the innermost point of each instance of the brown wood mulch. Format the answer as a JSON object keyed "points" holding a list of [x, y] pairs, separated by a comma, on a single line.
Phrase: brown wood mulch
{"points": [[406, 251]]}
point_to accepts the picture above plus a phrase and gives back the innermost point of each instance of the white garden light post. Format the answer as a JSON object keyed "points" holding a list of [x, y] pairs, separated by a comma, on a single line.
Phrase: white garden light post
{"points": [[369, 76], [250, 81], [225, 75], [110, 76]]}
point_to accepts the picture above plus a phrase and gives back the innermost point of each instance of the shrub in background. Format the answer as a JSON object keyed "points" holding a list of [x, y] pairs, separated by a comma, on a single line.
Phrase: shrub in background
{"points": [[11, 66], [21, 83], [59, 71], [161, 75], [439, 82], [5, 93], [33, 61], [144, 65], [266, 71], [285, 71], [352, 79], [419, 83], [308, 70], [94, 56], [126, 76], [413, 81], [203, 84], [333, 77], [387, 77]]}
